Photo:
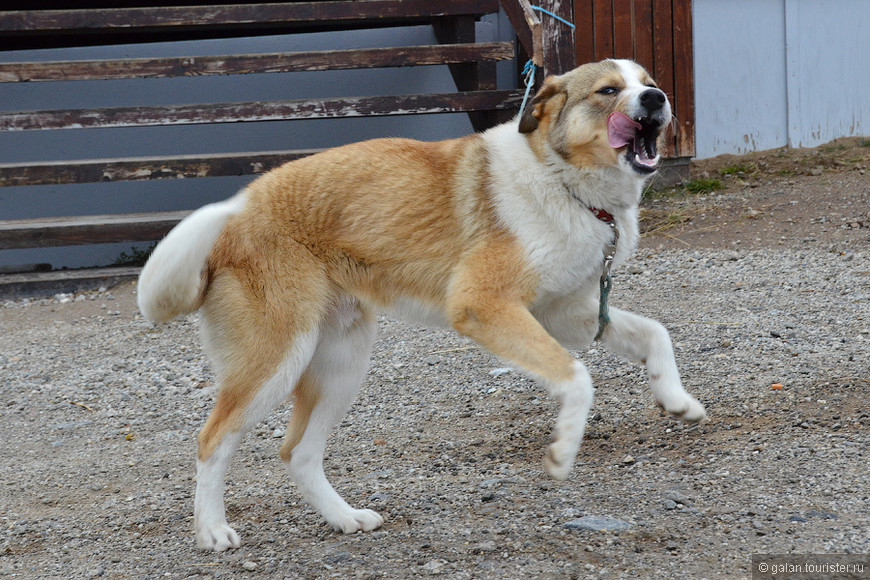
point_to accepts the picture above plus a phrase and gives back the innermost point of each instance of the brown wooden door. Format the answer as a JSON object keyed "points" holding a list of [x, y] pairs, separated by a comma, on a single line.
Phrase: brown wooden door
{"points": [[655, 33]]}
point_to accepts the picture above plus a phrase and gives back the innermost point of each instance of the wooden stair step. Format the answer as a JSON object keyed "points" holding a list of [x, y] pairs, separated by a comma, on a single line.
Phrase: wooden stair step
{"points": [[80, 230], [146, 168], [77, 27], [491, 100], [369, 12], [43, 284], [139, 68]]}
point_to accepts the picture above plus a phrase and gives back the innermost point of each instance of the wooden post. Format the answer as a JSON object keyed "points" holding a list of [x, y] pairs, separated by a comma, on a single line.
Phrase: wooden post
{"points": [[471, 76], [557, 37]]}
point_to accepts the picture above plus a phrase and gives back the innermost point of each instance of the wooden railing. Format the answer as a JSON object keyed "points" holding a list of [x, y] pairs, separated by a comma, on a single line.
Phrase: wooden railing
{"points": [[471, 63]]}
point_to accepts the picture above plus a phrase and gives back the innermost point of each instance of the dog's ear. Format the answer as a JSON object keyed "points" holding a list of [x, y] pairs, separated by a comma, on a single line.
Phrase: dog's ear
{"points": [[535, 110]]}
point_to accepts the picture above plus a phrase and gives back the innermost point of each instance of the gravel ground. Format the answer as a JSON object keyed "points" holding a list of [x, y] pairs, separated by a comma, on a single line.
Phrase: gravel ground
{"points": [[99, 412]]}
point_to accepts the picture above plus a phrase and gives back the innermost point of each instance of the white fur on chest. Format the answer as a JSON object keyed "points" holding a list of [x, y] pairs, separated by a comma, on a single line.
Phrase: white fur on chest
{"points": [[563, 240]]}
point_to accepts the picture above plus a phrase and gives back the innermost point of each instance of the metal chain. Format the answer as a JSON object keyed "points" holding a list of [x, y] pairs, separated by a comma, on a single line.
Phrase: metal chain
{"points": [[606, 283]]}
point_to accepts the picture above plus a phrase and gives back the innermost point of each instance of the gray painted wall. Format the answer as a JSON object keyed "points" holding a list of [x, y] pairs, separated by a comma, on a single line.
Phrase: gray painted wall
{"points": [[771, 73]]}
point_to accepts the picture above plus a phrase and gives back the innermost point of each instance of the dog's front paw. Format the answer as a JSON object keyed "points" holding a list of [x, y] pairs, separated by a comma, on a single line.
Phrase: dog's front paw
{"points": [[558, 461], [690, 410], [358, 520], [218, 537]]}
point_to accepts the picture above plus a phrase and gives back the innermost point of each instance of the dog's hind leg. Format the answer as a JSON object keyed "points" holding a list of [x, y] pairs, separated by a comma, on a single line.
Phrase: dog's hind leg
{"points": [[647, 341], [324, 394], [259, 355]]}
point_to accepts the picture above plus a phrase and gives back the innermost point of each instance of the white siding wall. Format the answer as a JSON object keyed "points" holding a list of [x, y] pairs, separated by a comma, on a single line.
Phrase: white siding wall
{"points": [[770, 73]]}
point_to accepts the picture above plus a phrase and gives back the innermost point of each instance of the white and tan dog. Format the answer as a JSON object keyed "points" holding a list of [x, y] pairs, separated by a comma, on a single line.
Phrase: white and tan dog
{"points": [[499, 235]]}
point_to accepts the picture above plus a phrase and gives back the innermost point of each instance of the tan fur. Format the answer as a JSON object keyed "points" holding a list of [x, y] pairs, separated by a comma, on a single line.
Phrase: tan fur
{"points": [[488, 302], [343, 222], [340, 220], [310, 250], [258, 308], [305, 396], [587, 147]]}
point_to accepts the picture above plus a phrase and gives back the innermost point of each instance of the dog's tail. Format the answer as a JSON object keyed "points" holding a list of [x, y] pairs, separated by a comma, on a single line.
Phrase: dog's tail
{"points": [[173, 282]]}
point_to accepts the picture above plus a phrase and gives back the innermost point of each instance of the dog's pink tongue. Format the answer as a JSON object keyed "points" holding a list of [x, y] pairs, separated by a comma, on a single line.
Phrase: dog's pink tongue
{"points": [[620, 130]]}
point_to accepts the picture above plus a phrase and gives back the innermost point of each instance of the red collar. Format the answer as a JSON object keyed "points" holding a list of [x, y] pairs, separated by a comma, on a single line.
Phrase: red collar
{"points": [[604, 216]]}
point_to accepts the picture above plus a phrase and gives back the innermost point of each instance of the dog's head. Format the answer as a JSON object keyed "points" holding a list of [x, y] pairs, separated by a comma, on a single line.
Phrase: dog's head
{"points": [[600, 115]]}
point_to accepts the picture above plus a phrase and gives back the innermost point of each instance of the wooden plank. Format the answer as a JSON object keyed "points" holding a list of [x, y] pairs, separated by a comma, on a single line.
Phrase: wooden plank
{"points": [[684, 87], [558, 37], [255, 63], [262, 111], [527, 26], [644, 49], [623, 29], [468, 76], [603, 29], [74, 231], [287, 13], [663, 68], [584, 37], [43, 284], [663, 39], [145, 168], [457, 30]]}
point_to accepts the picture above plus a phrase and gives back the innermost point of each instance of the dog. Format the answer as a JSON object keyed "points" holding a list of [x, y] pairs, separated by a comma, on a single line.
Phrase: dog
{"points": [[506, 236]]}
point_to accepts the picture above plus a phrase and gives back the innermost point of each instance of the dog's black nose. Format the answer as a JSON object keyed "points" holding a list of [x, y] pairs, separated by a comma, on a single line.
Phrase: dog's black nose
{"points": [[652, 100]]}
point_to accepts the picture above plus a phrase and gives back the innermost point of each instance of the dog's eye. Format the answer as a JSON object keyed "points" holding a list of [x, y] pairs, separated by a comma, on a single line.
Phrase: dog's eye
{"points": [[607, 91]]}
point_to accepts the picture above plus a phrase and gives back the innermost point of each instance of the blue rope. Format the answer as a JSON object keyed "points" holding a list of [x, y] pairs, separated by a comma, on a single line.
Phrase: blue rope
{"points": [[559, 18], [529, 69], [529, 76]]}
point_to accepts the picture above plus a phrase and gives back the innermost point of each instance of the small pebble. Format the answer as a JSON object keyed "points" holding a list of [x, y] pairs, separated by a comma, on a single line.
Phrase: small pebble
{"points": [[678, 497], [484, 547], [598, 524]]}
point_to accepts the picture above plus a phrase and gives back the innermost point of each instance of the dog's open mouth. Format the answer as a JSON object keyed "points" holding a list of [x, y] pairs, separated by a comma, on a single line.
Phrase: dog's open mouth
{"points": [[641, 137]]}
